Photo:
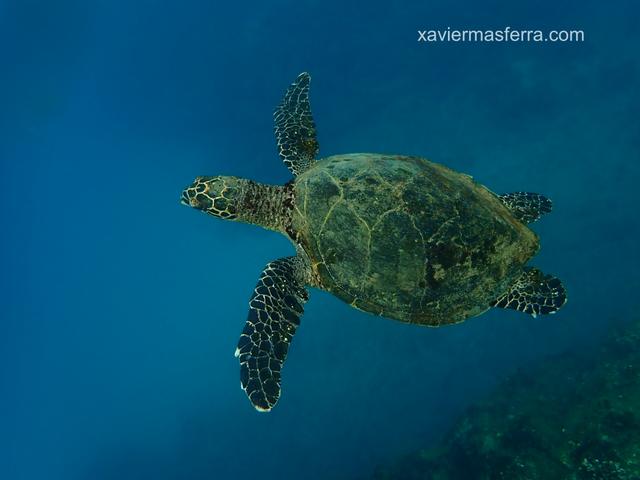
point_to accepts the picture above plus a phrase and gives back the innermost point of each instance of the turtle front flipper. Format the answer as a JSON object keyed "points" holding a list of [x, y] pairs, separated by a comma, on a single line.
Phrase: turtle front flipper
{"points": [[526, 206], [295, 129], [275, 309], [534, 293]]}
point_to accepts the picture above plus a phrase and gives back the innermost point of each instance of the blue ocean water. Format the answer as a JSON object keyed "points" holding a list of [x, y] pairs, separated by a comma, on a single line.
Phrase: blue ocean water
{"points": [[121, 309]]}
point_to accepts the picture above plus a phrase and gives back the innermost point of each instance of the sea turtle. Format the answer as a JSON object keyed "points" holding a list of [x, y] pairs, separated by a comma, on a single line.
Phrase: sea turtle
{"points": [[394, 235]]}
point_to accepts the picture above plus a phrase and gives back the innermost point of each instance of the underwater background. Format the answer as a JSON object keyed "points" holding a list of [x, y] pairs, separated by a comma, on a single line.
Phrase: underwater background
{"points": [[121, 309]]}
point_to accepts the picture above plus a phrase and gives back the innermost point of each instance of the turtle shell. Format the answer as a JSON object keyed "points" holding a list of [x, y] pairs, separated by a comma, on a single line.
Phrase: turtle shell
{"points": [[406, 238]]}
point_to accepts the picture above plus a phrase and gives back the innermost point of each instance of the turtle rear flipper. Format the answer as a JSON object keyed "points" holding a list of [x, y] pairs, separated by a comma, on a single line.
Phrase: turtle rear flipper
{"points": [[534, 293], [526, 206], [275, 309], [295, 129]]}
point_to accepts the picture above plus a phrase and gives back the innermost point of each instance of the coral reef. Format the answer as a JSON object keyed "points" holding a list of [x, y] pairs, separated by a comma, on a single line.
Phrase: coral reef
{"points": [[574, 417]]}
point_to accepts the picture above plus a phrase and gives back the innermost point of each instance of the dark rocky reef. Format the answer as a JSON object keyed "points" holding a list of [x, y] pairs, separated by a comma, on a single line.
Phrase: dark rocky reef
{"points": [[574, 417]]}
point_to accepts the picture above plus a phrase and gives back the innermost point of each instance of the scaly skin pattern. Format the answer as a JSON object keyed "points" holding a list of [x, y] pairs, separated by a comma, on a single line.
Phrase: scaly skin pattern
{"points": [[233, 198], [214, 195], [406, 238]]}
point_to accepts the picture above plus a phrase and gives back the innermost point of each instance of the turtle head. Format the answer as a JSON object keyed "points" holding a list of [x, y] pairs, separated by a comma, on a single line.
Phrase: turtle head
{"points": [[217, 196], [234, 198]]}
